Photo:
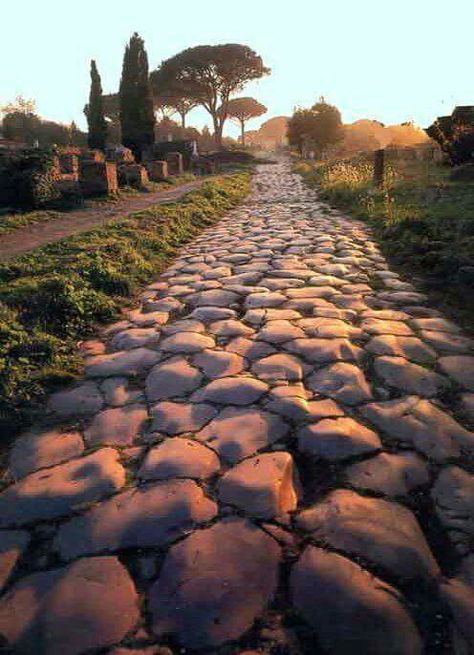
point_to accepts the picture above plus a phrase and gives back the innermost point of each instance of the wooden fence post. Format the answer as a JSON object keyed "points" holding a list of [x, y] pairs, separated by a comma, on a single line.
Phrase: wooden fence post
{"points": [[379, 167]]}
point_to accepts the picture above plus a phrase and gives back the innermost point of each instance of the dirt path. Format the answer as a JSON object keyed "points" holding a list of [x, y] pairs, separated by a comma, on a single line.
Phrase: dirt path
{"points": [[33, 236], [268, 457]]}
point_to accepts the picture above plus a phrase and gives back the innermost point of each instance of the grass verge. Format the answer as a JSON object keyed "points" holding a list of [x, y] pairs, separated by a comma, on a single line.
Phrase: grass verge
{"points": [[56, 295], [423, 220]]}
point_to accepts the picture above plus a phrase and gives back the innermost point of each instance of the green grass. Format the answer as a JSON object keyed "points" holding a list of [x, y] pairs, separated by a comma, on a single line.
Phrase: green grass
{"points": [[58, 294], [10, 222], [424, 221]]}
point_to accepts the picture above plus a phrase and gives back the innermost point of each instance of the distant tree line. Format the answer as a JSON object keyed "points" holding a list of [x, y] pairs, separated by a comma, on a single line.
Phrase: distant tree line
{"points": [[315, 129], [22, 124]]}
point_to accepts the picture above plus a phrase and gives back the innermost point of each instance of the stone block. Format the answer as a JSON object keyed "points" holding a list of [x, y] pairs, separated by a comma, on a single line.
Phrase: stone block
{"points": [[134, 175], [175, 163], [157, 170], [98, 177]]}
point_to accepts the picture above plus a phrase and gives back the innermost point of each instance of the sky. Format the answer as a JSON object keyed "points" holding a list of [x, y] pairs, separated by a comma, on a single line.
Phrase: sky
{"points": [[383, 59]]}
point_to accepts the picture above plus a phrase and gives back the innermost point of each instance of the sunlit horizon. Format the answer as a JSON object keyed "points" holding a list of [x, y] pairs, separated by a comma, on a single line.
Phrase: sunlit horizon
{"points": [[382, 61]]}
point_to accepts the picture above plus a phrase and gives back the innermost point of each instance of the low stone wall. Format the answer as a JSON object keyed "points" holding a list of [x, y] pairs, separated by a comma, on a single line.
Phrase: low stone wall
{"points": [[157, 170], [98, 177]]}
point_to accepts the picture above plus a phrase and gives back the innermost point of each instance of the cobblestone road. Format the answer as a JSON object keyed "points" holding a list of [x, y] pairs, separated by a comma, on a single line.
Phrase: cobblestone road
{"points": [[271, 455]]}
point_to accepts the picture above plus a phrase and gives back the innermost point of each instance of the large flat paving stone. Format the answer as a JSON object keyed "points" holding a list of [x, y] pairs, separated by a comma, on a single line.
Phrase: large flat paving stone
{"points": [[82, 400], [215, 584], [151, 515], [58, 491], [410, 348], [177, 418], [36, 450], [279, 366], [460, 368], [12, 545], [381, 532], [186, 343], [408, 377], [417, 422], [337, 439], [389, 474], [323, 351], [172, 379], [118, 426], [219, 363], [350, 610], [264, 486], [128, 363], [231, 391], [179, 458], [240, 432], [453, 497], [90, 604], [342, 381]]}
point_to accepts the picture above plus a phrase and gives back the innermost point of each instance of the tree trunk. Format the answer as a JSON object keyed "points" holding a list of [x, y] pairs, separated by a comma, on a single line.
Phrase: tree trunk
{"points": [[183, 121], [242, 133], [217, 131]]}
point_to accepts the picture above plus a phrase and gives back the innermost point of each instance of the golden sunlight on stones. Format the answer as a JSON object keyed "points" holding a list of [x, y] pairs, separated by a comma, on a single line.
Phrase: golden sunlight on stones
{"points": [[265, 486], [214, 584]]}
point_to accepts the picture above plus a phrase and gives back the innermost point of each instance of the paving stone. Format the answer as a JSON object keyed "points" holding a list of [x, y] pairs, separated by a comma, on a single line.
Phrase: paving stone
{"points": [[312, 292], [117, 392], [215, 584], [83, 400], [179, 458], [403, 297], [337, 439], [437, 324], [168, 304], [237, 433], [421, 425], [146, 516], [134, 338], [249, 349], [218, 363], [278, 367], [341, 381], [230, 328], [37, 450], [391, 475], [460, 368], [264, 486], [360, 613], [185, 325], [187, 343], [270, 299], [459, 597], [13, 543], [404, 375], [58, 491], [323, 351], [381, 532], [276, 332], [292, 403], [453, 497], [231, 391], [467, 405], [410, 348], [209, 314], [385, 314], [128, 363], [377, 326], [173, 378], [90, 604], [448, 342], [116, 427], [328, 328], [148, 319], [213, 298]]}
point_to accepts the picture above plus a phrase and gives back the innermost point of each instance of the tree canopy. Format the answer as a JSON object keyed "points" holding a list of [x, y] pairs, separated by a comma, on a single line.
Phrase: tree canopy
{"points": [[137, 117], [97, 135], [315, 128], [208, 75], [242, 110]]}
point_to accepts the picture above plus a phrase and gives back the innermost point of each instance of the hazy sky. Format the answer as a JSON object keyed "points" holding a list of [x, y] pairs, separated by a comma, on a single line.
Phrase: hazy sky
{"points": [[389, 60]]}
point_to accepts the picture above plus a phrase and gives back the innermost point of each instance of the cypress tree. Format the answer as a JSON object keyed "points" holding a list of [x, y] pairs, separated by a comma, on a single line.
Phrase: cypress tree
{"points": [[137, 118], [95, 112]]}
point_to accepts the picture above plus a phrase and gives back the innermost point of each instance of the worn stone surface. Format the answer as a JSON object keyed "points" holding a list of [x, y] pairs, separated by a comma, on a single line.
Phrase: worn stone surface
{"points": [[214, 584], [152, 515], [384, 533], [350, 610], [57, 491], [90, 604], [264, 486], [12, 545], [116, 427], [392, 475], [36, 450], [279, 332], [337, 439], [179, 458], [237, 433]]}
